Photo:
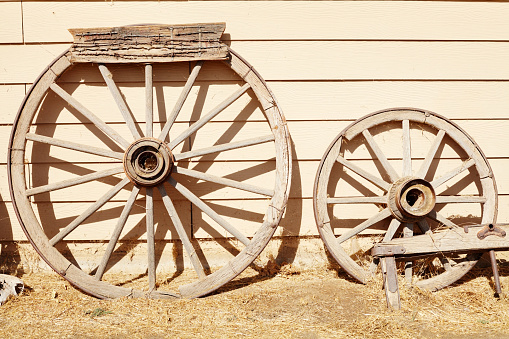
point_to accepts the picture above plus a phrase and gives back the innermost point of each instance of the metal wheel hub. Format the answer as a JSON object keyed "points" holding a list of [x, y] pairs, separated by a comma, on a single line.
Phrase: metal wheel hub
{"points": [[148, 162], [410, 199]]}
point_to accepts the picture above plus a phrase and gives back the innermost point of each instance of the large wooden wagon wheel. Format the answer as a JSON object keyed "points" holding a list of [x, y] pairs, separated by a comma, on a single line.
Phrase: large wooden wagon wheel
{"points": [[401, 172], [155, 166]]}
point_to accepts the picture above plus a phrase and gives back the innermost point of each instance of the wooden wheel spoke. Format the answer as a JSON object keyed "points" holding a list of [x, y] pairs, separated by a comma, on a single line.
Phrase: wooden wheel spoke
{"points": [[366, 175], [391, 230], [182, 232], [119, 99], [451, 174], [424, 226], [149, 101], [408, 231], [434, 215], [362, 226], [224, 147], [380, 155], [101, 125], [149, 207], [423, 170], [209, 211], [75, 181], [116, 233], [441, 199], [223, 181], [182, 98], [75, 146], [218, 109], [358, 200], [89, 211], [407, 149]]}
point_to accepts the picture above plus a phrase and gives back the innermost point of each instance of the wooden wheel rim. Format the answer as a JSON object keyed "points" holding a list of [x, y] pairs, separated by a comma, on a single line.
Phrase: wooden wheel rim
{"points": [[35, 232], [438, 123]]}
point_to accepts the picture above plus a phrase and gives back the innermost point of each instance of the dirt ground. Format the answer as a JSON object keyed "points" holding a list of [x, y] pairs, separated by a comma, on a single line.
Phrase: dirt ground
{"points": [[279, 303]]}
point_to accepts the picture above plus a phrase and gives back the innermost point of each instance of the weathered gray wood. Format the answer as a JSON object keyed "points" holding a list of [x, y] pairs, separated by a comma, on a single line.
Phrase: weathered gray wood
{"points": [[224, 147], [423, 170], [90, 116], [75, 146], [408, 117], [209, 211], [202, 121], [358, 200], [408, 231], [74, 181], [434, 215], [451, 174], [182, 232], [149, 100], [385, 213], [380, 155], [391, 230], [151, 246], [390, 282], [407, 149], [116, 233], [450, 241], [119, 99], [273, 213], [89, 211], [366, 175], [223, 181], [182, 98], [149, 43]]}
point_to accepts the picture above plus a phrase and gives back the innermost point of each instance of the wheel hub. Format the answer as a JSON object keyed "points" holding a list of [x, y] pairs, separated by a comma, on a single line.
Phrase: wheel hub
{"points": [[410, 199], [148, 162]]}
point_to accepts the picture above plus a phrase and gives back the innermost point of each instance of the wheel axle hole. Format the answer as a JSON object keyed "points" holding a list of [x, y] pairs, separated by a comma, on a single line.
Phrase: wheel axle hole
{"points": [[147, 161], [415, 198]]}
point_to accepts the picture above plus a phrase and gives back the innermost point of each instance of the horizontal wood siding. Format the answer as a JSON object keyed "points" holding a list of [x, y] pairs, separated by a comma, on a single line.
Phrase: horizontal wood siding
{"points": [[328, 63]]}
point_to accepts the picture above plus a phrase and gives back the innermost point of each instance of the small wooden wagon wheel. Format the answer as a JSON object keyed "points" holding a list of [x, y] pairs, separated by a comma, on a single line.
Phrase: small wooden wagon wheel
{"points": [[145, 162], [361, 194]]}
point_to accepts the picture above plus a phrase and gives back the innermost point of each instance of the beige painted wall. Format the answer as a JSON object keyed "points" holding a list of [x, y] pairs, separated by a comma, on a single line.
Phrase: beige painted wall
{"points": [[328, 63]]}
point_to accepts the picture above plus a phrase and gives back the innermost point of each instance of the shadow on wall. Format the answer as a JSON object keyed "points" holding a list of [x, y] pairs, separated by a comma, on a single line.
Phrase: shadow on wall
{"points": [[10, 259]]}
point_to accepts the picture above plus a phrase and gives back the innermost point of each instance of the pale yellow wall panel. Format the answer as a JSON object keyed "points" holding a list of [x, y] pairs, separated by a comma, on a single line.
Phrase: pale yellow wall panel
{"points": [[352, 100], [361, 60], [321, 60], [282, 20], [23, 63], [319, 100], [11, 97], [11, 30], [10, 228]]}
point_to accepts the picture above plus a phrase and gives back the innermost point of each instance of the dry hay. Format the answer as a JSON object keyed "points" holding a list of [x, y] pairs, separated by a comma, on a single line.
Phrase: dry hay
{"points": [[277, 302]]}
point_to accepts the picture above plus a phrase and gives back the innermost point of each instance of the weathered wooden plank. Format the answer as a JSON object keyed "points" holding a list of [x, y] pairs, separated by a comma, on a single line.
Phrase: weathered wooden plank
{"points": [[289, 60], [11, 25], [149, 43], [455, 240], [48, 21]]}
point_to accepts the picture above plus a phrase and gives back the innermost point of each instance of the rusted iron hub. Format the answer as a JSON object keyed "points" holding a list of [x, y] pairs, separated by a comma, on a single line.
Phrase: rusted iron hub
{"points": [[148, 162], [410, 199]]}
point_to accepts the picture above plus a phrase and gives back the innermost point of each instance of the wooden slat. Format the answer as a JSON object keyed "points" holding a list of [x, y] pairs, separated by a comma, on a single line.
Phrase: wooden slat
{"points": [[11, 25], [10, 97], [289, 60], [461, 100], [48, 21]]}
